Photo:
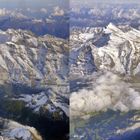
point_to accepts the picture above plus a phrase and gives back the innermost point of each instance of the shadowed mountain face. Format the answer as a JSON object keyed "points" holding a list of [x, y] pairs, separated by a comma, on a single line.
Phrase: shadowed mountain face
{"points": [[104, 86], [104, 70], [32, 60], [112, 48], [34, 68], [33, 84], [96, 63]]}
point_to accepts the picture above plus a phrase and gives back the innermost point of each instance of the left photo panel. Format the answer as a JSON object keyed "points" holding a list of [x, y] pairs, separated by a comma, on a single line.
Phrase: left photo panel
{"points": [[34, 68]]}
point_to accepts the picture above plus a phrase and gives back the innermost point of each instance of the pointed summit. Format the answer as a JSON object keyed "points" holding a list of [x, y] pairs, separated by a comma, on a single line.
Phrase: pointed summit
{"points": [[112, 27]]}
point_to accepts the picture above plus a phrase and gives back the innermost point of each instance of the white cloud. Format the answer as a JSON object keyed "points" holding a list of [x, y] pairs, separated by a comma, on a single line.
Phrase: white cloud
{"points": [[37, 20], [13, 13], [50, 20], [58, 11], [44, 10], [108, 92], [4, 12]]}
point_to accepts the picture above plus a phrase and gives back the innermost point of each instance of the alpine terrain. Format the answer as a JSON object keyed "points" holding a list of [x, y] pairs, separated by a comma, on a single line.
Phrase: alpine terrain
{"points": [[104, 82], [34, 87]]}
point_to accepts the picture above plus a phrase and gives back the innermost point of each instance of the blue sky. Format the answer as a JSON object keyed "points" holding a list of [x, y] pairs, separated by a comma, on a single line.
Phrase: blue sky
{"points": [[32, 3], [118, 1], [107, 1], [49, 3], [91, 3]]}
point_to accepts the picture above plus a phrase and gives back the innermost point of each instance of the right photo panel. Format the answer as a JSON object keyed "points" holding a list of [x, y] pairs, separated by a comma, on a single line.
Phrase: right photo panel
{"points": [[104, 74]]}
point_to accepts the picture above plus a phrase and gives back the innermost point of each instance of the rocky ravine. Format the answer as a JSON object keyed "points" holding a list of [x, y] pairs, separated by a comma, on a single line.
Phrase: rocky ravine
{"points": [[34, 88]]}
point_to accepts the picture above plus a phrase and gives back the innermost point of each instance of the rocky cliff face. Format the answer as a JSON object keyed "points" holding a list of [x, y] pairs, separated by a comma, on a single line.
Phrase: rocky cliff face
{"points": [[121, 52], [34, 82], [112, 89], [32, 60], [13, 130], [112, 48]]}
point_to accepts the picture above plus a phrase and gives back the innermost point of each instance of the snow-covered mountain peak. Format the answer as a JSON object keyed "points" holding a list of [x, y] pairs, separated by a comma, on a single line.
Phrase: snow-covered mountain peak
{"points": [[121, 53], [28, 59], [114, 48], [111, 27]]}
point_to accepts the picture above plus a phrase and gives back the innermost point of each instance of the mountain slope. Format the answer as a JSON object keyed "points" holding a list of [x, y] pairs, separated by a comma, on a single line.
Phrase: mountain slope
{"points": [[112, 48], [32, 60], [121, 53], [34, 82]]}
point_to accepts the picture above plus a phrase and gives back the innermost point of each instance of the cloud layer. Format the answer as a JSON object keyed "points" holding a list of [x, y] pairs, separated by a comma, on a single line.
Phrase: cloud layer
{"points": [[108, 92]]}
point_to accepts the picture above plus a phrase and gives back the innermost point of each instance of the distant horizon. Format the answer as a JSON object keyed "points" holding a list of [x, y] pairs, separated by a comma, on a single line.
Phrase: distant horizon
{"points": [[106, 1], [32, 3], [91, 2], [62, 3]]}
